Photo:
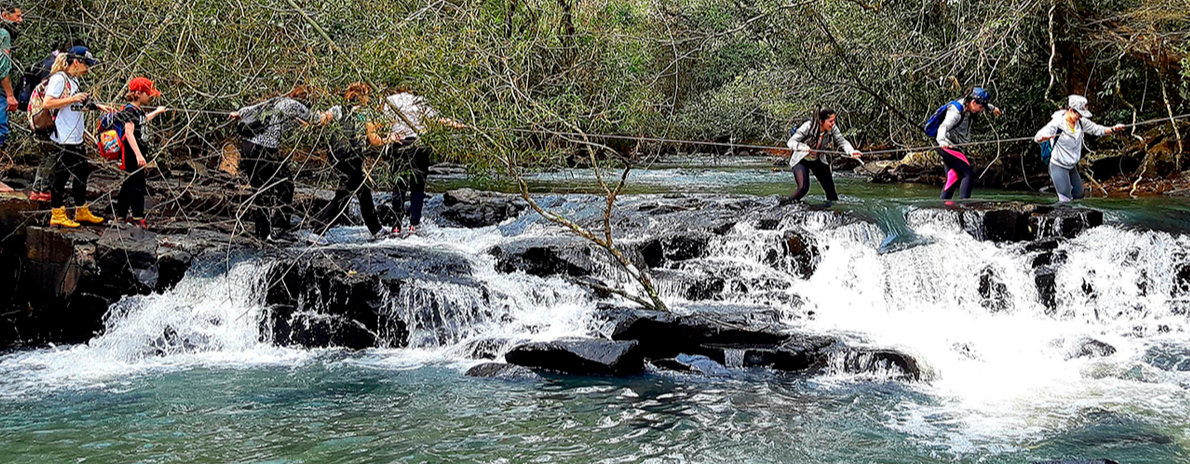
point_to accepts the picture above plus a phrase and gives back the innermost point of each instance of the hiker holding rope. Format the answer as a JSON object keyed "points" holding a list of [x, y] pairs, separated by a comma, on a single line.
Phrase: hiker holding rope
{"points": [[1062, 138], [133, 119], [410, 157], [348, 146], [263, 126], [951, 126], [811, 147], [62, 93]]}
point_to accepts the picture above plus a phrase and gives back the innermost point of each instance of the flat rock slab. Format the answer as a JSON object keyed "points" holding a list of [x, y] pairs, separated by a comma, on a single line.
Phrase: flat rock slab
{"points": [[579, 356]]}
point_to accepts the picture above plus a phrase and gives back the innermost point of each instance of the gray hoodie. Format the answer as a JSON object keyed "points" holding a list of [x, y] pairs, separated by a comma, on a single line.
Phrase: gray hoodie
{"points": [[1069, 146]]}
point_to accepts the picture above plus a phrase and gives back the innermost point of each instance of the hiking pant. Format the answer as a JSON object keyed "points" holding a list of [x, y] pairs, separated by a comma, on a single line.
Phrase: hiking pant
{"points": [[132, 191], [1067, 182], [958, 173], [71, 165], [269, 173], [411, 164], [350, 166], [4, 129], [821, 170], [43, 180]]}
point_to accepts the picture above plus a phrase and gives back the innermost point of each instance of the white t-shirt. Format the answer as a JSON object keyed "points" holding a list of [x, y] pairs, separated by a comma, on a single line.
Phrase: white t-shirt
{"points": [[414, 108], [69, 123]]}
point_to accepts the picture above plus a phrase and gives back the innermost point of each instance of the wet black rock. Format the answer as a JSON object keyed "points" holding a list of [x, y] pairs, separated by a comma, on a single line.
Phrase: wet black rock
{"points": [[800, 353], [471, 208], [130, 255], [993, 292], [546, 256], [360, 287], [899, 365], [1017, 221], [674, 247], [1045, 279], [487, 348], [290, 327], [580, 356], [503, 371], [665, 334], [796, 252], [1089, 348]]}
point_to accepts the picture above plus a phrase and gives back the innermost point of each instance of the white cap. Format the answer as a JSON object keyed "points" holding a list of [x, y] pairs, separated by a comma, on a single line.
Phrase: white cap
{"points": [[1079, 103]]}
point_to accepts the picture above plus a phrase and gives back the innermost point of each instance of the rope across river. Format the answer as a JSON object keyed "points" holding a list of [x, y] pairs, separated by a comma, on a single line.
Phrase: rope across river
{"points": [[667, 140]]}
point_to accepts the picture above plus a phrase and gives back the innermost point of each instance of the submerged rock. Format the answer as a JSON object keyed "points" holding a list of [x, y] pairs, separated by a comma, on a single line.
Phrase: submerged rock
{"points": [[580, 356], [700, 364], [471, 208], [503, 371]]}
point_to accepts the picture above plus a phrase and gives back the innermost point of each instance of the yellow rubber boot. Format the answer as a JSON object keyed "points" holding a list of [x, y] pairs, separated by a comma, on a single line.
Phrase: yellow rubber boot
{"points": [[58, 218], [83, 215]]}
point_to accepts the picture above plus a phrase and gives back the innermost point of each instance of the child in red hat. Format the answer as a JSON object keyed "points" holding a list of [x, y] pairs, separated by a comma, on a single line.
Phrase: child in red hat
{"points": [[132, 191]]}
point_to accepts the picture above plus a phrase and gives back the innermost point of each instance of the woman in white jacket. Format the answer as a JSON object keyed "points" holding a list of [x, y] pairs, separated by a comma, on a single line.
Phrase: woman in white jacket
{"points": [[811, 143], [1067, 129]]}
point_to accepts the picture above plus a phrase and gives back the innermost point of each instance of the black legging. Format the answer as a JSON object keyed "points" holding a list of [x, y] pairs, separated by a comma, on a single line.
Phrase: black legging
{"points": [[963, 174], [351, 169], [132, 190], [822, 171], [411, 164], [71, 165], [269, 174]]}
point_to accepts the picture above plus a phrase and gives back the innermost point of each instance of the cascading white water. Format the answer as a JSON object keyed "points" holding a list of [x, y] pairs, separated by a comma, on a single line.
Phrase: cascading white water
{"points": [[1001, 364], [205, 320]]}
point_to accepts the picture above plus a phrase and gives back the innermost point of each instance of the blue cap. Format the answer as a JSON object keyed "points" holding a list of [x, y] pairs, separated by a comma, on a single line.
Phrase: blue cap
{"points": [[82, 53], [981, 94]]}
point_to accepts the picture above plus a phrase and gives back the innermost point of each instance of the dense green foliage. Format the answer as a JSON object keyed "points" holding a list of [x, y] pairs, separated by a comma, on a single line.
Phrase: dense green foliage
{"points": [[699, 69]]}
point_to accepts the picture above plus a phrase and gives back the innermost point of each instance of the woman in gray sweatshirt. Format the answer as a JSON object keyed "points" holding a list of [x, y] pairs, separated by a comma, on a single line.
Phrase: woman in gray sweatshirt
{"points": [[1067, 129]]}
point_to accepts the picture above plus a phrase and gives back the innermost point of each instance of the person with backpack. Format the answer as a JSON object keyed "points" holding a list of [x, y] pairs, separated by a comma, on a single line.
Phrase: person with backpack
{"points": [[347, 147], [63, 95], [951, 126], [130, 122], [10, 19], [1062, 141], [811, 145], [263, 126], [35, 79], [410, 157]]}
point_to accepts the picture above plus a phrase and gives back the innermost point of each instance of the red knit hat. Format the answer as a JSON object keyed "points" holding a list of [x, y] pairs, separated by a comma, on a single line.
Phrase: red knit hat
{"points": [[143, 85]]}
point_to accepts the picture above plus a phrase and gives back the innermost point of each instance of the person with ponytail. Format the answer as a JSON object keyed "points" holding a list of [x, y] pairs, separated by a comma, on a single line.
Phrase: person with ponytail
{"points": [[63, 94], [812, 147], [955, 129]]}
